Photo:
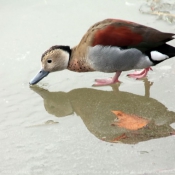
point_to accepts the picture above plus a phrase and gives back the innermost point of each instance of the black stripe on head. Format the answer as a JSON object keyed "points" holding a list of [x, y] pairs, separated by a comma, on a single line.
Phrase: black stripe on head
{"points": [[65, 48]]}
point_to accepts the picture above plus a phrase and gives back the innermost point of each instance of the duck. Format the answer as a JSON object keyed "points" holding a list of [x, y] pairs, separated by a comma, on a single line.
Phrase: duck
{"points": [[110, 46]]}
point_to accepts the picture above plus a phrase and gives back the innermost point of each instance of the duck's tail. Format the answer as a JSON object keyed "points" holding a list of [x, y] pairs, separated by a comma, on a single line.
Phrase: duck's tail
{"points": [[166, 50], [161, 53]]}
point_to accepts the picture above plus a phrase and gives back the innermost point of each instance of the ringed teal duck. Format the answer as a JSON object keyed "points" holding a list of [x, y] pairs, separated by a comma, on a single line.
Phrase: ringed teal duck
{"points": [[111, 45]]}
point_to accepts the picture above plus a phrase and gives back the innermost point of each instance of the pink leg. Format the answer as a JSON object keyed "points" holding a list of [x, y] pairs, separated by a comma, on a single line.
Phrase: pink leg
{"points": [[141, 74], [108, 81]]}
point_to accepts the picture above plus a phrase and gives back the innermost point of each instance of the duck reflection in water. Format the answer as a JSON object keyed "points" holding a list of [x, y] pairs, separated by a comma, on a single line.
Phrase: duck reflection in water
{"points": [[95, 109]]}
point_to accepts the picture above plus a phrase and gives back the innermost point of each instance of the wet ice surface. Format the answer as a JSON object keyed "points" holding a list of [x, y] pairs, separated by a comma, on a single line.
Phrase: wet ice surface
{"points": [[35, 141]]}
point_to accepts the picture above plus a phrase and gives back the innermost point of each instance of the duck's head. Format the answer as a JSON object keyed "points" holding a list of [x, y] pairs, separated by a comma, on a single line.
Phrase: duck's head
{"points": [[54, 59]]}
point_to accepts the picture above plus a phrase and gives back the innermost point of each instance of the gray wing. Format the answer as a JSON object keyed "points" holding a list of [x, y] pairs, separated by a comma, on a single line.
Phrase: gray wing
{"points": [[112, 59]]}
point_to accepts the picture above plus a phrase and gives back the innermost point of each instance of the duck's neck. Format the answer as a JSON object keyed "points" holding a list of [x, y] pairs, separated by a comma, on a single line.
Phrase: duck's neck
{"points": [[78, 62]]}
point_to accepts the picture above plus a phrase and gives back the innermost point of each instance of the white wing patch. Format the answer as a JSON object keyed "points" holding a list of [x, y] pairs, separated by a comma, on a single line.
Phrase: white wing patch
{"points": [[157, 56]]}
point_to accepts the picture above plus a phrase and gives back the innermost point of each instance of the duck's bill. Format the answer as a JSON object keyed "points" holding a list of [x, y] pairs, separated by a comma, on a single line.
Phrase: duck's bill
{"points": [[39, 76]]}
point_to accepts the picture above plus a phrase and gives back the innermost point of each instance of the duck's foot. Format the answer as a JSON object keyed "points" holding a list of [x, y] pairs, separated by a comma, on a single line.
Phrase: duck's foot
{"points": [[108, 81], [141, 74]]}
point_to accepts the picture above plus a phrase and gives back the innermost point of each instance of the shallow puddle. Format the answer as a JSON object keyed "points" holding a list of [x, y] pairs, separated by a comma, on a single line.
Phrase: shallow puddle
{"points": [[63, 125]]}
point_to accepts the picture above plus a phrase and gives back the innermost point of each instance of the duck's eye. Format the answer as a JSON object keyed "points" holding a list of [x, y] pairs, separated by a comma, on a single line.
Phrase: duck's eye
{"points": [[49, 61]]}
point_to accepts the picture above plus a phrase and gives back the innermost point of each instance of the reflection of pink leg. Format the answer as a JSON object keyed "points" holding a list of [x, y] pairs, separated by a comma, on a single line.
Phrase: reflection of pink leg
{"points": [[108, 81], [141, 74]]}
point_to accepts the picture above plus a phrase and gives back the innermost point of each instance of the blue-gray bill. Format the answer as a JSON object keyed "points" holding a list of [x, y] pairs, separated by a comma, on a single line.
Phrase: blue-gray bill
{"points": [[39, 76]]}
